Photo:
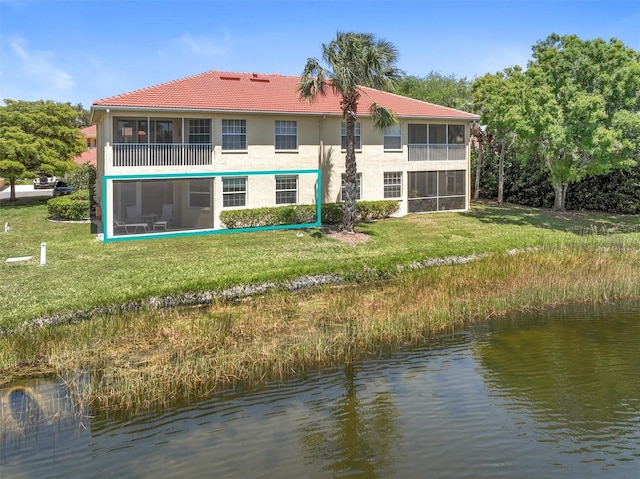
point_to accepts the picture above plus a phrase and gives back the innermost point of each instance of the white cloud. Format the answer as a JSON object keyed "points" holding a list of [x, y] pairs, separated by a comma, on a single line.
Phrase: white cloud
{"points": [[203, 45], [37, 67]]}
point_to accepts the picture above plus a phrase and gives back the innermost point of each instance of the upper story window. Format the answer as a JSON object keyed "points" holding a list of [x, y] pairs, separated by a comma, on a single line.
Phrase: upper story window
{"points": [[343, 136], [392, 137], [199, 131], [234, 134], [286, 135], [436, 134], [144, 131]]}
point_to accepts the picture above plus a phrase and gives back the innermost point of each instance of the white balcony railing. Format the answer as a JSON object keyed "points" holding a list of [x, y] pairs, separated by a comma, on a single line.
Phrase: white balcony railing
{"points": [[165, 154], [424, 152]]}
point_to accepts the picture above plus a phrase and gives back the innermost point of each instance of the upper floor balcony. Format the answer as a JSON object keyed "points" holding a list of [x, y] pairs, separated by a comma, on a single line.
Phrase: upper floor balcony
{"points": [[162, 154]]}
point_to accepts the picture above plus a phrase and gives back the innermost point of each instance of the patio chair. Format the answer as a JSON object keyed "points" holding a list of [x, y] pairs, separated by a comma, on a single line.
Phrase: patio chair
{"points": [[126, 226], [134, 214], [165, 217]]}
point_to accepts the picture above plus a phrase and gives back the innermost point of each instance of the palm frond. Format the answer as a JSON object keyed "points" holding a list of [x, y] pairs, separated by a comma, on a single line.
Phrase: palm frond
{"points": [[382, 117], [313, 80]]}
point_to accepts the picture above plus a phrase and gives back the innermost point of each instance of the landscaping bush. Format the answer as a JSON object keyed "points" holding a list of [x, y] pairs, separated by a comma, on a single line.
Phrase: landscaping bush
{"points": [[302, 214], [279, 215], [375, 210], [84, 178], [70, 207]]}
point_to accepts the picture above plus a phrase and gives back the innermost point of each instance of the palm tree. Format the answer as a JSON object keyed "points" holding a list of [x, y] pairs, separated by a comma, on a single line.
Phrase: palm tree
{"points": [[354, 60]]}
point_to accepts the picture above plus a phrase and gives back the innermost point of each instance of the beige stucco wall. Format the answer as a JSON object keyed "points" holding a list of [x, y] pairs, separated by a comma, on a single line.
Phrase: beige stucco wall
{"points": [[318, 148]]}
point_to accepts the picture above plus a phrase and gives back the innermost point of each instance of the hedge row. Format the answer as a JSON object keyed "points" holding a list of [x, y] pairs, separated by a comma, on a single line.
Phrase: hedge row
{"points": [[70, 207], [301, 214], [529, 185]]}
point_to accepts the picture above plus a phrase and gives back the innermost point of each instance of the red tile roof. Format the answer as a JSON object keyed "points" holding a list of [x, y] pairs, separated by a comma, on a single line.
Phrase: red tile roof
{"points": [[89, 131], [90, 157], [252, 92]]}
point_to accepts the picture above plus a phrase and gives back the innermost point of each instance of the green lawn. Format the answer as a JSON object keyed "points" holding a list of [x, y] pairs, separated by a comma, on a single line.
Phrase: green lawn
{"points": [[82, 272]]}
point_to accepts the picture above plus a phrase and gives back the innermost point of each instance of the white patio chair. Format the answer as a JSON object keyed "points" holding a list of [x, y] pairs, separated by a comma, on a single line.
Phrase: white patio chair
{"points": [[165, 217], [126, 226]]}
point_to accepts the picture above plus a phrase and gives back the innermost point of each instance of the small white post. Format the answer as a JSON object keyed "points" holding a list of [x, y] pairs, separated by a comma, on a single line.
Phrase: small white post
{"points": [[43, 254]]}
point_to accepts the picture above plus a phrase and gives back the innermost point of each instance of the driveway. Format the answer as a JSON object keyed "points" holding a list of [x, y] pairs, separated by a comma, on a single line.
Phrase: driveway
{"points": [[23, 191]]}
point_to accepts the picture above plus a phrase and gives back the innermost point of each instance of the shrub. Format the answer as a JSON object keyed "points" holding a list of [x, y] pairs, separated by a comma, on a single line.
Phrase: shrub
{"points": [[302, 214], [374, 210], [84, 178], [70, 207]]}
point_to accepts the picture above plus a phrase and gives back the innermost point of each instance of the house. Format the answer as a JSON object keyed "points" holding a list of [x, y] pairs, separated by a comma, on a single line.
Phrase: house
{"points": [[88, 157], [221, 140]]}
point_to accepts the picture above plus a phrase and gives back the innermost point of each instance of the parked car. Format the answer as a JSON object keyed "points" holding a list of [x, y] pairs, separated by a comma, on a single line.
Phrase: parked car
{"points": [[62, 189], [44, 181]]}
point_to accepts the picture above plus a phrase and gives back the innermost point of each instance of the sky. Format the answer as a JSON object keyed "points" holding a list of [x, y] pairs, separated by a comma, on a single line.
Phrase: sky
{"points": [[80, 51]]}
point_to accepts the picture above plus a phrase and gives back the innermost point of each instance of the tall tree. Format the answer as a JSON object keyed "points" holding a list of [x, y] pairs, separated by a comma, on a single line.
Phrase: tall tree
{"points": [[353, 60], [445, 90], [496, 96], [578, 98], [39, 136]]}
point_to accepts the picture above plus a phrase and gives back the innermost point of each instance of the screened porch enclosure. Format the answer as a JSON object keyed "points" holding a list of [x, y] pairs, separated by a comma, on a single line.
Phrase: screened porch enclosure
{"points": [[161, 205], [437, 142], [437, 191], [162, 142]]}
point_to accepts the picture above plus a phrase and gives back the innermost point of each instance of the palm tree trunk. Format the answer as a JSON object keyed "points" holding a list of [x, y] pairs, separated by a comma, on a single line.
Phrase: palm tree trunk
{"points": [[351, 173]]}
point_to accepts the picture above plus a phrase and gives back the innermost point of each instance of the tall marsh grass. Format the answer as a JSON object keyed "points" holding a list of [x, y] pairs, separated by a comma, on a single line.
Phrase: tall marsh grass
{"points": [[152, 359]]}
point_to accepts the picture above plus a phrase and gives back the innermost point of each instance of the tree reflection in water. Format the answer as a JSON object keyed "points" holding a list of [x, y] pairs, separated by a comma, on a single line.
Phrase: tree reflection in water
{"points": [[360, 436]]}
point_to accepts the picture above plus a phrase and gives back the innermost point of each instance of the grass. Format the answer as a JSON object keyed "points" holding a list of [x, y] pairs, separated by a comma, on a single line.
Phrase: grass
{"points": [[82, 273], [153, 360]]}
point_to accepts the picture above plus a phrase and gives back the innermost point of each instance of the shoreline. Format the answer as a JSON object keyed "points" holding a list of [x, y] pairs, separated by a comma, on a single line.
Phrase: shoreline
{"points": [[148, 359]]}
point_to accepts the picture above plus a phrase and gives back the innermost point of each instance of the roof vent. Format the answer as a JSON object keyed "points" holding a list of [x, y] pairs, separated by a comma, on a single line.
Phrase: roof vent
{"points": [[229, 78]]}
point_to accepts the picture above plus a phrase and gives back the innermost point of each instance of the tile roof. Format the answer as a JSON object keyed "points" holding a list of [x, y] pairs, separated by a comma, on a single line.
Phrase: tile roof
{"points": [[89, 131], [88, 157], [253, 92]]}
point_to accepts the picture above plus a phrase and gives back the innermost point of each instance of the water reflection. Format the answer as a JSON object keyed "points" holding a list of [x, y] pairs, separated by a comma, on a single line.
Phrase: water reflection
{"points": [[546, 395], [577, 371], [363, 434]]}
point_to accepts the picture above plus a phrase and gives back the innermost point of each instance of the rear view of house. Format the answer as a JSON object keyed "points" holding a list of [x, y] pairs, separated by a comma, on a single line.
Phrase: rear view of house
{"points": [[173, 156]]}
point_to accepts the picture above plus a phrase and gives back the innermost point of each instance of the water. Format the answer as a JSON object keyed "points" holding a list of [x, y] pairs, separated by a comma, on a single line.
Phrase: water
{"points": [[554, 395]]}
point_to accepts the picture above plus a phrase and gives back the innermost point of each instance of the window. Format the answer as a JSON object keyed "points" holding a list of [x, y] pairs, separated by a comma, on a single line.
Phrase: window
{"points": [[286, 135], [392, 137], [343, 135], [234, 134], [234, 191], [200, 193], [161, 131], [199, 131], [358, 186], [286, 190], [127, 132], [143, 131], [393, 184]]}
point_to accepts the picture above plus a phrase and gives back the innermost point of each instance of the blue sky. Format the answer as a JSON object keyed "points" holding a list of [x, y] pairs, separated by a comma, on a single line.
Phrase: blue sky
{"points": [[80, 51]]}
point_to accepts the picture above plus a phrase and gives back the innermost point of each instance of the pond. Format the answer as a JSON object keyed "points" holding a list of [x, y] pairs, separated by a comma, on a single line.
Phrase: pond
{"points": [[554, 394]]}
